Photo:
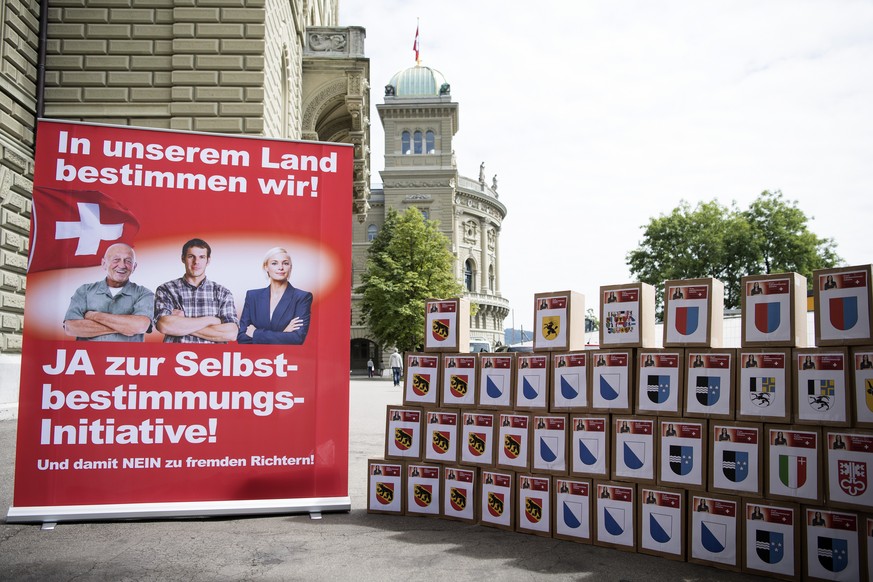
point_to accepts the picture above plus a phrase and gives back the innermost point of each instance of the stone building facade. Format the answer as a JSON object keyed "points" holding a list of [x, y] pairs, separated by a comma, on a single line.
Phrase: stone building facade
{"points": [[256, 67], [420, 121]]}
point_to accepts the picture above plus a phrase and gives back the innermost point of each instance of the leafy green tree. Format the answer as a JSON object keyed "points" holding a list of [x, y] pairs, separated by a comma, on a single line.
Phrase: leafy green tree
{"points": [[781, 241], [712, 240], [407, 263]]}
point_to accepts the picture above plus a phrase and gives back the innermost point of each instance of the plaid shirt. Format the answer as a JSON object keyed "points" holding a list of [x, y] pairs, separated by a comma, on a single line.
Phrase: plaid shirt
{"points": [[207, 299]]}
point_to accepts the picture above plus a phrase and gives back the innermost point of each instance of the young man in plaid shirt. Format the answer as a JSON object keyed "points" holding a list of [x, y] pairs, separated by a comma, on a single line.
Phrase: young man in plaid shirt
{"points": [[192, 308]]}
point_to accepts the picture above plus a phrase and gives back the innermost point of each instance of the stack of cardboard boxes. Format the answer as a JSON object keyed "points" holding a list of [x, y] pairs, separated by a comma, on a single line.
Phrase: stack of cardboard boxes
{"points": [[753, 459]]}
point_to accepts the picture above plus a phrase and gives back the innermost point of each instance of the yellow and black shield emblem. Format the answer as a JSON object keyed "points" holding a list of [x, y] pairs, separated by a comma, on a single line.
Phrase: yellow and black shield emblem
{"points": [[458, 385], [420, 384], [440, 329], [402, 438], [551, 327], [385, 493], [534, 509]]}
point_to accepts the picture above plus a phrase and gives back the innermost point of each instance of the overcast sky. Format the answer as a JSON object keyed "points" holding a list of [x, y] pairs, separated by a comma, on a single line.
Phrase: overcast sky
{"points": [[598, 115]]}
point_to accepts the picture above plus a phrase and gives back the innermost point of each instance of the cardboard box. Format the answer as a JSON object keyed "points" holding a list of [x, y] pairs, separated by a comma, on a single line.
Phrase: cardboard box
{"points": [[868, 528], [615, 515], [513, 438], [477, 438], [709, 385], [460, 494], [403, 430], [832, 545], [772, 535], [635, 452], [849, 460], [447, 325], [627, 316], [497, 499], [774, 310], [693, 313], [842, 306], [662, 522], [548, 450], [611, 380], [421, 387], [661, 382], [862, 386], [441, 436], [683, 453], [572, 508], [714, 532], [559, 321], [590, 446], [794, 466], [459, 374], [534, 506], [496, 381], [423, 481], [385, 487], [569, 382], [532, 382], [821, 389], [764, 382], [736, 453]]}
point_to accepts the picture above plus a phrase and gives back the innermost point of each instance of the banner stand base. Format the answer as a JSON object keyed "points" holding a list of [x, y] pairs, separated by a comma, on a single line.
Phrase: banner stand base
{"points": [[56, 514]]}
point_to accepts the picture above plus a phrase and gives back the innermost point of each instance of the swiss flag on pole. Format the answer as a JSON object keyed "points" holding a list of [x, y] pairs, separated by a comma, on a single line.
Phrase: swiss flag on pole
{"points": [[73, 228], [415, 43]]}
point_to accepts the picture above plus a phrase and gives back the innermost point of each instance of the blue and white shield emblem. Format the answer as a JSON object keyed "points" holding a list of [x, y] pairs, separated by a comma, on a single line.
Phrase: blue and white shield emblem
{"points": [[770, 546], [634, 454], [548, 448], [613, 520], [570, 386], [833, 553], [588, 450], [572, 514], [735, 465], [661, 527], [609, 385], [713, 536], [681, 459]]}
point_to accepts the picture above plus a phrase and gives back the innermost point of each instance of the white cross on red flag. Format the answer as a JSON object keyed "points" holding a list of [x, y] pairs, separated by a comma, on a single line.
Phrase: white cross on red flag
{"points": [[73, 228]]}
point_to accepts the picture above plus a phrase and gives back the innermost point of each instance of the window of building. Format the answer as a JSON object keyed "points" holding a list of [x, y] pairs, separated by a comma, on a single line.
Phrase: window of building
{"points": [[417, 143], [429, 142], [491, 277], [372, 231], [468, 275], [405, 143]]}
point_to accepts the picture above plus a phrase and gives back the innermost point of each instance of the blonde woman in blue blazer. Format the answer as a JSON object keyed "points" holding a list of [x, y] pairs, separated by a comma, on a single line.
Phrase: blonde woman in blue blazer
{"points": [[278, 313]]}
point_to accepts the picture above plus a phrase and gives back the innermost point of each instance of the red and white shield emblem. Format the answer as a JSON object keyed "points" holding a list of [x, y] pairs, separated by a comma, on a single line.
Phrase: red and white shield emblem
{"points": [[853, 477]]}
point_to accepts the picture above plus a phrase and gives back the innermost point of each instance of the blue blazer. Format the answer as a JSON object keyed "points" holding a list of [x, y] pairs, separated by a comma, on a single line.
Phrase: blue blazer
{"points": [[256, 311]]}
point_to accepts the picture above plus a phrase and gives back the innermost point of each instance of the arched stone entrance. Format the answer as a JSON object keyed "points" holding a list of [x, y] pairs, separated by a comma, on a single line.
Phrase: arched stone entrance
{"points": [[362, 350]]}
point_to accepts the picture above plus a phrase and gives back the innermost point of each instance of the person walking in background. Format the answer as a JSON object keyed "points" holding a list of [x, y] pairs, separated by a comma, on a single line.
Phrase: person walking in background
{"points": [[370, 368], [396, 364]]}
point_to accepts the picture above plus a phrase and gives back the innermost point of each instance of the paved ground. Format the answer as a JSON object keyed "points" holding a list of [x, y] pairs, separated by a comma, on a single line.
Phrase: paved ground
{"points": [[341, 546]]}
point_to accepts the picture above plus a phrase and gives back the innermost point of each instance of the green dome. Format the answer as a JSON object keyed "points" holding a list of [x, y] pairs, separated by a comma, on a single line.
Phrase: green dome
{"points": [[418, 81]]}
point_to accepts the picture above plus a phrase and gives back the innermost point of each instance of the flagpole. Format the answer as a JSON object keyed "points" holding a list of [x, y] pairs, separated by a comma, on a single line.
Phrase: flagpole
{"points": [[415, 44]]}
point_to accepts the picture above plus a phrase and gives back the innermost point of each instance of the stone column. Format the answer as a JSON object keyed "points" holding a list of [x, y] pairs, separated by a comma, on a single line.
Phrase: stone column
{"points": [[496, 260], [483, 259]]}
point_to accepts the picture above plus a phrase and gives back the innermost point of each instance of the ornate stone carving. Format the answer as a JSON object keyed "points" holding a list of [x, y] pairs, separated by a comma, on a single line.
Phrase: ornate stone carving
{"points": [[471, 231], [334, 42]]}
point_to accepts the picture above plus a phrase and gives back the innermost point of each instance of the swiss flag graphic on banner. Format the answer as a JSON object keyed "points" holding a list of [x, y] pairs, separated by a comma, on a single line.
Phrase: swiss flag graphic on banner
{"points": [[73, 228]]}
